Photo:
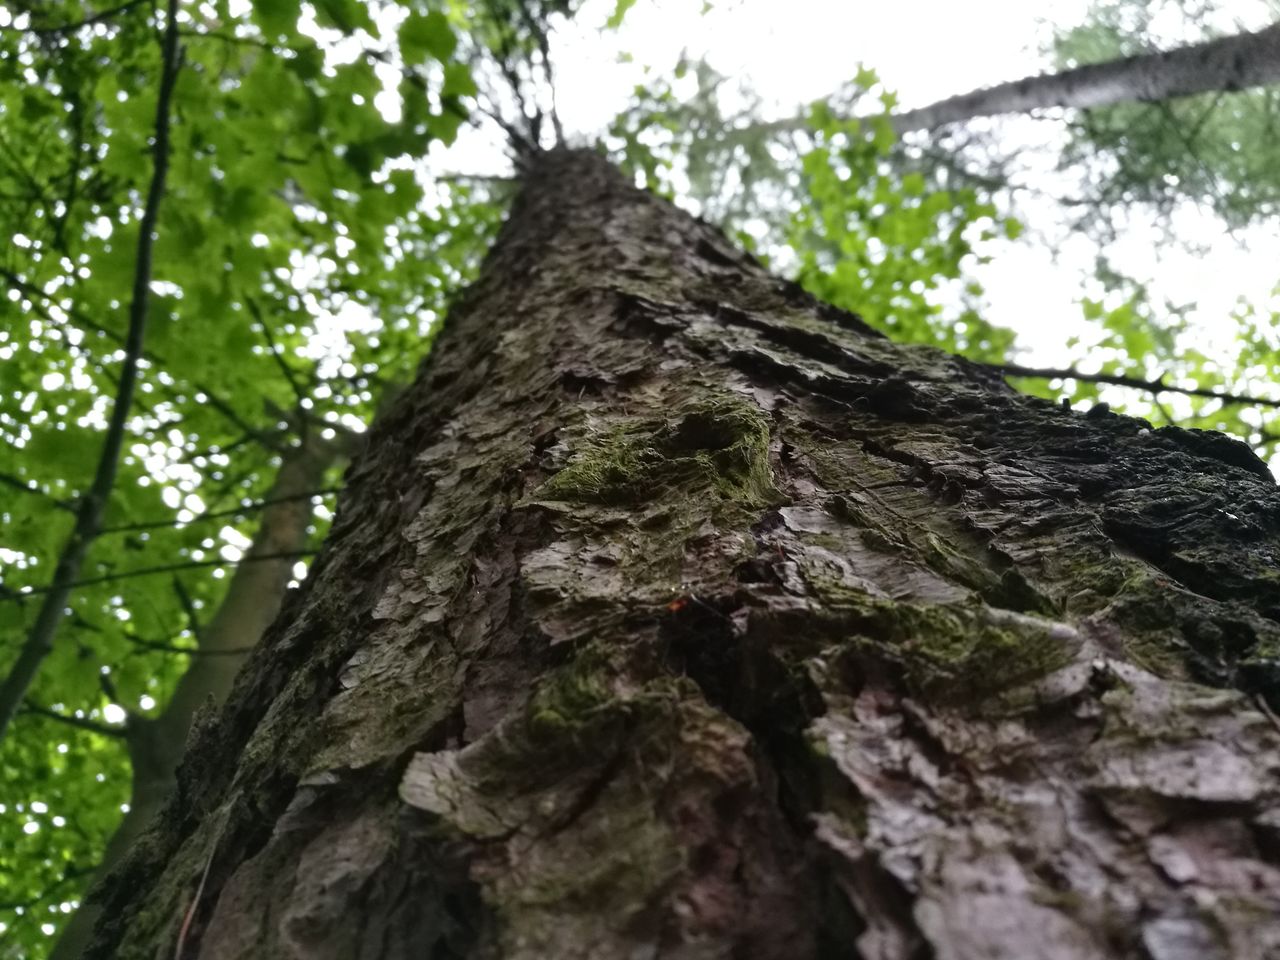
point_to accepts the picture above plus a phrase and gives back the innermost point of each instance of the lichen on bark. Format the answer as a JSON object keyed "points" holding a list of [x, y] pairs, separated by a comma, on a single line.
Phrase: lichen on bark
{"points": [[672, 613]]}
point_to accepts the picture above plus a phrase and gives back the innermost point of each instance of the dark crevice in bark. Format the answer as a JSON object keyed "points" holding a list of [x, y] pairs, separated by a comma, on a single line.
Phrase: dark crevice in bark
{"points": [[807, 343]]}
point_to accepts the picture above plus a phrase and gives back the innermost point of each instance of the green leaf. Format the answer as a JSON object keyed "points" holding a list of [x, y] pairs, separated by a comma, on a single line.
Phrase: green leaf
{"points": [[276, 17], [444, 126], [347, 15], [620, 10], [458, 81], [426, 35]]}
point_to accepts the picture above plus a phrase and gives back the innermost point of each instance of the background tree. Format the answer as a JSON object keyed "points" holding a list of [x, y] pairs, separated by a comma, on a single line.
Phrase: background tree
{"points": [[1189, 167], [1208, 148]]}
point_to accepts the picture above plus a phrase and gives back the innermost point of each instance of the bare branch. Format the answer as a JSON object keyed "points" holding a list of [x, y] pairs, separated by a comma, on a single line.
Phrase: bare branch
{"points": [[17, 483], [277, 355], [188, 607], [262, 437], [215, 514], [79, 24], [1156, 386], [165, 568], [187, 651], [538, 29], [70, 720]]}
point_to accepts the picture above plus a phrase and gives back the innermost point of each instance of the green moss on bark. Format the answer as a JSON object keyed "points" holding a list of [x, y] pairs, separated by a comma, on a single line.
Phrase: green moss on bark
{"points": [[948, 653], [720, 448]]}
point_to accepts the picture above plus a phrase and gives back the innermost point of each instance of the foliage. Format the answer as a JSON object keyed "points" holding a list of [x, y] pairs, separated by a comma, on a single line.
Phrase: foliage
{"points": [[302, 259], [886, 245], [1132, 337], [1214, 149], [830, 197]]}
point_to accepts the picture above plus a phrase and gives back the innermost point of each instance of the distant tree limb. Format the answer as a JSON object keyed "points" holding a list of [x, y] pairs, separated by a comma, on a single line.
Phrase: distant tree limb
{"points": [[278, 355], [1137, 383], [1225, 63], [39, 643], [78, 24], [214, 514], [34, 293], [17, 483], [1230, 64], [164, 568], [187, 651], [70, 720]]}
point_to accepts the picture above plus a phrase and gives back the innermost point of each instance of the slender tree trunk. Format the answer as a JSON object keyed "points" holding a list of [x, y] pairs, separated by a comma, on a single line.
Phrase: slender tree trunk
{"points": [[671, 613], [250, 604], [1227, 63]]}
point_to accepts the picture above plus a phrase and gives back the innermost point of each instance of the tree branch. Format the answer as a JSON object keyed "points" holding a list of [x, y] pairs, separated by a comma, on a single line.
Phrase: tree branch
{"points": [[187, 651], [165, 568], [80, 723], [214, 514], [538, 29], [79, 24], [188, 607], [277, 355], [18, 484], [262, 437], [91, 507], [1137, 383]]}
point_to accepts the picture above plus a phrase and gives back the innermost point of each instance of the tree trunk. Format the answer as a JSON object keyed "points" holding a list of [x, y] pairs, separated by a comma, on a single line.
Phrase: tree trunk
{"points": [[250, 604], [1227, 63], [672, 613]]}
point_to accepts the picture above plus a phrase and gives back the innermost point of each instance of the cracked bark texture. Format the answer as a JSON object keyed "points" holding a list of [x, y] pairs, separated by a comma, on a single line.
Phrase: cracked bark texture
{"points": [[249, 606], [674, 614]]}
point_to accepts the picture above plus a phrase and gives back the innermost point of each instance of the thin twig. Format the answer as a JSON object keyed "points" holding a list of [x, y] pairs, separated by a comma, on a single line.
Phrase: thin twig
{"points": [[544, 51], [194, 905], [262, 437], [1137, 383], [18, 484], [81, 723], [188, 607], [79, 24], [1265, 707], [277, 355], [165, 568], [214, 514], [187, 651], [506, 61]]}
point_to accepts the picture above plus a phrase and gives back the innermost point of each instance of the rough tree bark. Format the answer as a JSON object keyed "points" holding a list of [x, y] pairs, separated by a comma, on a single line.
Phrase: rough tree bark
{"points": [[1226, 63], [251, 603], [674, 614]]}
